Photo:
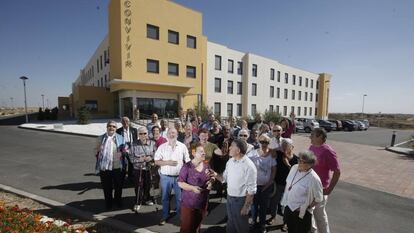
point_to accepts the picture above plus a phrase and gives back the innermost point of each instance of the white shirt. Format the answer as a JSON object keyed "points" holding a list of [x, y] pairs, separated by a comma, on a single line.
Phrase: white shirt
{"points": [[275, 143], [263, 165], [305, 188], [164, 133], [127, 135], [167, 152], [241, 177]]}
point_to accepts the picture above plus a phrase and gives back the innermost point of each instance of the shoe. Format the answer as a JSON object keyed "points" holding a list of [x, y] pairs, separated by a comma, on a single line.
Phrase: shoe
{"points": [[162, 222], [150, 203], [284, 228], [137, 208]]}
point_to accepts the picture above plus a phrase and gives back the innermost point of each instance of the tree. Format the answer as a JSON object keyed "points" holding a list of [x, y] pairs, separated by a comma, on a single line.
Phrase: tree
{"points": [[83, 115], [202, 110]]}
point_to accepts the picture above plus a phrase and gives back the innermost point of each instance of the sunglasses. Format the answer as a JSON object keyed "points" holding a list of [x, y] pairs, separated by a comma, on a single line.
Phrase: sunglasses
{"points": [[263, 142], [111, 126], [276, 130], [243, 135], [142, 133]]}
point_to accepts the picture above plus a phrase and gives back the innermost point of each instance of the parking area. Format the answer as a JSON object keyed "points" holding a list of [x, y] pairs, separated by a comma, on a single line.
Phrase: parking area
{"points": [[373, 136]]}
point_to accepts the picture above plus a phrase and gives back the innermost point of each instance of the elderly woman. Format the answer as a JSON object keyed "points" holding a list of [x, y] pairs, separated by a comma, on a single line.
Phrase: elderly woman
{"points": [[302, 192], [142, 153], [266, 170], [244, 135], [195, 182], [285, 159], [178, 125], [111, 164]]}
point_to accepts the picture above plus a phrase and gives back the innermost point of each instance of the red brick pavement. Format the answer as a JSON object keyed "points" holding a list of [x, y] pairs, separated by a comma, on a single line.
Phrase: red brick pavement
{"points": [[370, 166]]}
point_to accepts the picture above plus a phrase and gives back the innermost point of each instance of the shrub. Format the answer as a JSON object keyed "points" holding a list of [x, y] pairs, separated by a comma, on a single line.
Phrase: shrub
{"points": [[272, 116], [83, 115], [203, 110], [41, 115]]}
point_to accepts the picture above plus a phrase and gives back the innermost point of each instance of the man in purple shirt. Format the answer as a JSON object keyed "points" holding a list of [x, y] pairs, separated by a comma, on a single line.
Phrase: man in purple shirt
{"points": [[327, 161]]}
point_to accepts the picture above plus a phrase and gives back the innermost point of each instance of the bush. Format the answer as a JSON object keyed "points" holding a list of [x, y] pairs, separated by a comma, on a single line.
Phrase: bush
{"points": [[272, 116], [203, 110], [83, 115], [41, 115]]}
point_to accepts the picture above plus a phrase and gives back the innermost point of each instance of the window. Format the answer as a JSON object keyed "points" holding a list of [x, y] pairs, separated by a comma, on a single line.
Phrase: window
{"points": [[311, 97], [173, 69], [293, 94], [230, 65], [239, 88], [311, 83], [285, 93], [300, 95], [277, 109], [316, 97], [254, 110], [153, 32], [191, 42], [317, 84], [316, 111], [286, 78], [153, 66], [91, 105], [306, 96], [217, 108], [191, 71], [97, 65], [217, 62], [254, 89], [101, 63], [306, 82], [105, 58], [298, 113], [173, 37], [217, 85], [305, 111], [278, 76], [106, 80], [284, 110], [229, 110], [98, 85], [278, 93], [229, 87], [294, 79], [102, 84], [240, 67], [300, 80], [272, 91], [292, 109], [310, 111], [239, 109], [254, 70], [272, 74]]}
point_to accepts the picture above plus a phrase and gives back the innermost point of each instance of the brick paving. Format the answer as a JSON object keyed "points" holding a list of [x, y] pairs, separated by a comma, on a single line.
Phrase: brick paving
{"points": [[370, 166]]}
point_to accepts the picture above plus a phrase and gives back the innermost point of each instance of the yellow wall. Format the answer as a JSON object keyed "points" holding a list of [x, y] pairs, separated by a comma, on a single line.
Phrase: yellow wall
{"points": [[132, 18], [323, 104], [105, 100]]}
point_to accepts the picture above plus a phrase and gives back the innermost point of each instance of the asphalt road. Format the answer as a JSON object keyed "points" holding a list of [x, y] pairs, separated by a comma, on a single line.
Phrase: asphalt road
{"points": [[60, 167], [373, 136]]}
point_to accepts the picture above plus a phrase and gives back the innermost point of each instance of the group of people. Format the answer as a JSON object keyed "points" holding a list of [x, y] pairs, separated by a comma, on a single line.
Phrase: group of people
{"points": [[256, 170]]}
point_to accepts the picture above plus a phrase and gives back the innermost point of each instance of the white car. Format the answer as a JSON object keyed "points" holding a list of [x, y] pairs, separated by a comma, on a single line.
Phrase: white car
{"points": [[308, 124]]}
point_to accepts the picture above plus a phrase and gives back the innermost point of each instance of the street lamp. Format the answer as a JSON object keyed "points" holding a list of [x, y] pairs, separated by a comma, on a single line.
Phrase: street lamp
{"points": [[363, 102], [43, 101], [25, 101]]}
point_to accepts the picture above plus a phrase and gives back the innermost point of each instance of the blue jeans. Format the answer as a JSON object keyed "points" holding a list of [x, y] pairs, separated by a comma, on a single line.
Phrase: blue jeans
{"points": [[236, 223], [167, 184]]}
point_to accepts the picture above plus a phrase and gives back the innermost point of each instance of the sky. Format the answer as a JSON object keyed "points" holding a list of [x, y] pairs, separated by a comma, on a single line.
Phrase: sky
{"points": [[366, 45]]}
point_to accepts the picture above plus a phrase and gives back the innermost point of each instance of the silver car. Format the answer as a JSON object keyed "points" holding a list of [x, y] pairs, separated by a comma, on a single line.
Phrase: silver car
{"points": [[308, 124]]}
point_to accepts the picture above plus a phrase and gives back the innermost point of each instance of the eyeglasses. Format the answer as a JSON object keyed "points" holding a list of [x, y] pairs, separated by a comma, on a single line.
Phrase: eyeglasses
{"points": [[111, 126], [303, 161], [263, 142], [243, 135], [142, 133], [276, 130]]}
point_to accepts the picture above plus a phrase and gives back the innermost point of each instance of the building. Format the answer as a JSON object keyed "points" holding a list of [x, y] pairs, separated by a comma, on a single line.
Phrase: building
{"points": [[163, 63]]}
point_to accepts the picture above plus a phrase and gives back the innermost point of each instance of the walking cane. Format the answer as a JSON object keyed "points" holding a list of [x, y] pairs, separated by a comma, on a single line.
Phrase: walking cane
{"points": [[152, 186]]}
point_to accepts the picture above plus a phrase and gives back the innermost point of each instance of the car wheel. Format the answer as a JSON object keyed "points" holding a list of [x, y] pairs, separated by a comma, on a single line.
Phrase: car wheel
{"points": [[307, 130]]}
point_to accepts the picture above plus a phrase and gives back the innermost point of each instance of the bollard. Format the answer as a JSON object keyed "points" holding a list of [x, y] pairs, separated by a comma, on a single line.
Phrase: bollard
{"points": [[393, 138]]}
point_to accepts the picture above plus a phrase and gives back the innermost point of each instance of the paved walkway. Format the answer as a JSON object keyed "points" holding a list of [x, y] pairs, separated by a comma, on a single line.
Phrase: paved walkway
{"points": [[371, 166]]}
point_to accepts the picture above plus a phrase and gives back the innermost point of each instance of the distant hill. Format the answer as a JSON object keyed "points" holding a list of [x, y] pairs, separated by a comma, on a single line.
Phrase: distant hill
{"points": [[392, 121]]}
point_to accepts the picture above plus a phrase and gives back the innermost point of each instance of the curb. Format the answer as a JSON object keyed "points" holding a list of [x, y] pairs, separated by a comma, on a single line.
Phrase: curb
{"points": [[399, 150], [108, 221], [61, 132]]}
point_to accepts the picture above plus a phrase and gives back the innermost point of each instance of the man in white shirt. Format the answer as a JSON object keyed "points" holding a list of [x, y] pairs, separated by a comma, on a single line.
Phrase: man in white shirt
{"points": [[170, 157], [276, 140], [241, 176], [154, 121]]}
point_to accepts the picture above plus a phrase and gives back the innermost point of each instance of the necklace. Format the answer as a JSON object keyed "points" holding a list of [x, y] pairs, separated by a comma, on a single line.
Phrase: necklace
{"points": [[291, 183]]}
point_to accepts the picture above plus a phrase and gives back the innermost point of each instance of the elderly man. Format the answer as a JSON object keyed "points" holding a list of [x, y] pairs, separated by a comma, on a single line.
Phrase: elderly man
{"points": [[276, 140], [154, 122], [130, 136], [170, 157], [209, 124], [240, 175], [327, 163]]}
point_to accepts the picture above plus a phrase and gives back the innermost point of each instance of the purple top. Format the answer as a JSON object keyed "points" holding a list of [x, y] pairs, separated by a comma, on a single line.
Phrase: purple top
{"points": [[190, 175], [326, 161]]}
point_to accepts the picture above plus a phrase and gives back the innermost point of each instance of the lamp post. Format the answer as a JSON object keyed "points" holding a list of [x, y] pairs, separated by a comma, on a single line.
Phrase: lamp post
{"points": [[363, 103], [43, 101], [25, 101]]}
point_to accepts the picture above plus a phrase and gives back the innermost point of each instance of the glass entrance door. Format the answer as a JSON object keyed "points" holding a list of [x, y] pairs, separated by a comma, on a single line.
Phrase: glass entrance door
{"points": [[162, 107], [127, 107]]}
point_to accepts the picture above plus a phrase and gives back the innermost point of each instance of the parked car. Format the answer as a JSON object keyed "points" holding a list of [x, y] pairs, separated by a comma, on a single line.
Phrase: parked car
{"points": [[299, 126], [328, 126], [308, 124], [348, 125], [366, 123], [337, 123], [361, 125]]}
